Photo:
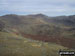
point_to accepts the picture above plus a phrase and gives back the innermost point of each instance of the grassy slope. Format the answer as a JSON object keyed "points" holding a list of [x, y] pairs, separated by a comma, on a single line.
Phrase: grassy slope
{"points": [[13, 45]]}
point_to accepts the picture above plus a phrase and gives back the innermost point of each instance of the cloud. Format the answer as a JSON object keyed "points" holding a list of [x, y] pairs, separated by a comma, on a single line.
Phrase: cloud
{"points": [[49, 7]]}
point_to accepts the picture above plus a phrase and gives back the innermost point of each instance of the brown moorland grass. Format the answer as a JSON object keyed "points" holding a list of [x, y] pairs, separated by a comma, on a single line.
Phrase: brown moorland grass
{"points": [[67, 42]]}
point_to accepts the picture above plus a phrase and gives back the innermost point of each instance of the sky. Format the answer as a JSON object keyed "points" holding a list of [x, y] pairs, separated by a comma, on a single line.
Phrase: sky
{"points": [[47, 7]]}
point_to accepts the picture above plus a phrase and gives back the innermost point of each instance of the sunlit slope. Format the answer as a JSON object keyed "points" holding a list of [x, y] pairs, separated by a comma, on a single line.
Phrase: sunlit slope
{"points": [[14, 45]]}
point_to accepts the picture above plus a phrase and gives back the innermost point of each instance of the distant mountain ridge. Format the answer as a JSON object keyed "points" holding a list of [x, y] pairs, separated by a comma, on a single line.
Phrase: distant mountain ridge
{"points": [[65, 20], [39, 25]]}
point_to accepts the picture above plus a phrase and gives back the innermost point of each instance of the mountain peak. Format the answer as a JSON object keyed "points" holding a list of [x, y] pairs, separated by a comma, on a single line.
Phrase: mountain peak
{"points": [[40, 15]]}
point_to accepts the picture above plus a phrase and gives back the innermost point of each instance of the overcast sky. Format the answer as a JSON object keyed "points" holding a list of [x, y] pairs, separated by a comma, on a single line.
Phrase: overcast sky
{"points": [[48, 7]]}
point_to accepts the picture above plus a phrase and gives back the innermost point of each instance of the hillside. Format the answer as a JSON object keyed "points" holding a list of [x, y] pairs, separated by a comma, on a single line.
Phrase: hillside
{"points": [[16, 45], [63, 20], [58, 30]]}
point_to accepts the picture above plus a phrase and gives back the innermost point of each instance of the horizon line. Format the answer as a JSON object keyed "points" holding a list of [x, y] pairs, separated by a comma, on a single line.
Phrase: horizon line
{"points": [[35, 14]]}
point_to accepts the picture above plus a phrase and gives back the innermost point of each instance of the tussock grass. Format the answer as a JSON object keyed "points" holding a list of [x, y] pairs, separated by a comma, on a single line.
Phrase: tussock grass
{"points": [[10, 45]]}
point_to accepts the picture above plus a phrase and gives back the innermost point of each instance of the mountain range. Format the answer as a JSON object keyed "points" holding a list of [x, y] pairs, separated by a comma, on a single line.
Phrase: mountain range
{"points": [[58, 30]]}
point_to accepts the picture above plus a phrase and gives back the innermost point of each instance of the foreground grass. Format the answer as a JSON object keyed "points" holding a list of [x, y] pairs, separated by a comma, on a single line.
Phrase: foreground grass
{"points": [[13, 45]]}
